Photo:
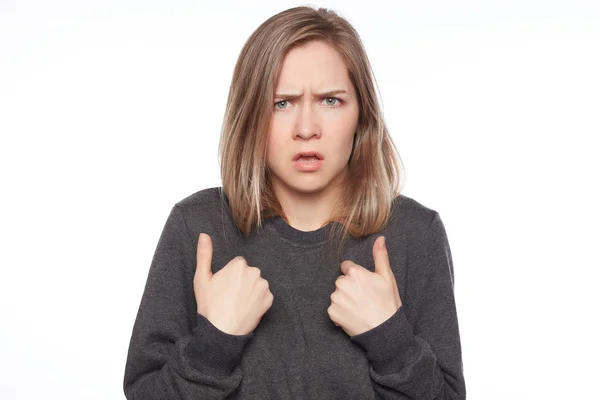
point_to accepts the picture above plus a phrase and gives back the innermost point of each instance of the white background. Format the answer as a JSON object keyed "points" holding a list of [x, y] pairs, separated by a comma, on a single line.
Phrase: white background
{"points": [[110, 112]]}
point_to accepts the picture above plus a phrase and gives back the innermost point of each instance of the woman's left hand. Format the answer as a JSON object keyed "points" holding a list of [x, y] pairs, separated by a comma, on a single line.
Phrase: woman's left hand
{"points": [[363, 299]]}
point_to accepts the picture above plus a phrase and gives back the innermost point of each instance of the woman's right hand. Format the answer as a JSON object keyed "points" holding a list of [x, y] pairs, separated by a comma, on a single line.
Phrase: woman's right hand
{"points": [[235, 298]]}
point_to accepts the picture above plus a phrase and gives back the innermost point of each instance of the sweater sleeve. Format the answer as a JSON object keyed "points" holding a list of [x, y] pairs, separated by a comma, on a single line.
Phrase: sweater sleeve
{"points": [[416, 353], [167, 359]]}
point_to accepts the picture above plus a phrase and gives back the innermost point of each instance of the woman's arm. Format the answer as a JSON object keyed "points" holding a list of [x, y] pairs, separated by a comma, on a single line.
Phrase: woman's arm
{"points": [[167, 359], [416, 353]]}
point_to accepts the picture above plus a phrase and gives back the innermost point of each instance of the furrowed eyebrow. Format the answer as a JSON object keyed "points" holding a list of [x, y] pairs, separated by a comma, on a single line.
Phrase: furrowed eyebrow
{"points": [[322, 94]]}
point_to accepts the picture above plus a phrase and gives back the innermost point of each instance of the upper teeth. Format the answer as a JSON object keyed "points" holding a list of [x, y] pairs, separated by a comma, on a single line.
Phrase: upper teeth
{"points": [[308, 158]]}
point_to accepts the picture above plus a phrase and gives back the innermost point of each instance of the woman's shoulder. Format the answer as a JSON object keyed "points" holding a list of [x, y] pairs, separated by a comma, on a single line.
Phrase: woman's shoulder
{"points": [[203, 201], [412, 214]]}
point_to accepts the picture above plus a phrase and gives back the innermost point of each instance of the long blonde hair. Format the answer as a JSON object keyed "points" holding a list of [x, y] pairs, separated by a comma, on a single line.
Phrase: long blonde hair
{"points": [[375, 167]]}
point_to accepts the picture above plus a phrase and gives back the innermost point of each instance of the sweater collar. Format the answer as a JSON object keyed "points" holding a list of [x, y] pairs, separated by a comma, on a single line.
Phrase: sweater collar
{"points": [[297, 236]]}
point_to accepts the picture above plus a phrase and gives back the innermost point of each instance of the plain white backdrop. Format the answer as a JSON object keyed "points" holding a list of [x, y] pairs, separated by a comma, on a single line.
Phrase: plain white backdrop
{"points": [[110, 112]]}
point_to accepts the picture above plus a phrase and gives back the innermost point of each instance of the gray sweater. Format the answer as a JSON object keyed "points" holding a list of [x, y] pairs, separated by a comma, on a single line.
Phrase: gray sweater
{"points": [[296, 351]]}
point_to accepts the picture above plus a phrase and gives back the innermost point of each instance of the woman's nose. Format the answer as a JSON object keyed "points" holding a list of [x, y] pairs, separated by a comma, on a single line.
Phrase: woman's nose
{"points": [[307, 122]]}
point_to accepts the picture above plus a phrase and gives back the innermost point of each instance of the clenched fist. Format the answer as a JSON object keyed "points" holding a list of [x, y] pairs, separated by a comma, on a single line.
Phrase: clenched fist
{"points": [[235, 298]]}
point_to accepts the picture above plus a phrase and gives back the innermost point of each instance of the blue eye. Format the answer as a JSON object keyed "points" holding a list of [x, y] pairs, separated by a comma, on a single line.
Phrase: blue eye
{"points": [[278, 103], [334, 105], [334, 98]]}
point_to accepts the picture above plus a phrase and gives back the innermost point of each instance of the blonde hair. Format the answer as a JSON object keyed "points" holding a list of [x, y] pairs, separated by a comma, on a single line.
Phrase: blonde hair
{"points": [[375, 167]]}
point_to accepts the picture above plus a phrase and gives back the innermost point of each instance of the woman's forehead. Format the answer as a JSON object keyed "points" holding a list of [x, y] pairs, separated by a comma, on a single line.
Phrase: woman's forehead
{"points": [[315, 74]]}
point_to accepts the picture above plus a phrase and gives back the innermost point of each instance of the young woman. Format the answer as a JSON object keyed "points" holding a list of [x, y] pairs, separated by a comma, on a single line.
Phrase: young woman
{"points": [[307, 275]]}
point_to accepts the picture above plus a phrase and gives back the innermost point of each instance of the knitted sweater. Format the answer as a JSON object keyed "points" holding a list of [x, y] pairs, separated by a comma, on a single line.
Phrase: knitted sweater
{"points": [[296, 351]]}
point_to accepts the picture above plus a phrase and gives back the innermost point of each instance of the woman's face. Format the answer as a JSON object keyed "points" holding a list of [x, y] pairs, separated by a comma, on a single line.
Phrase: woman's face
{"points": [[307, 116]]}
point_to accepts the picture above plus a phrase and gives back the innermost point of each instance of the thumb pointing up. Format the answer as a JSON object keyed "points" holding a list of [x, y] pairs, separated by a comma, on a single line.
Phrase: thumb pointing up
{"points": [[383, 267], [204, 258]]}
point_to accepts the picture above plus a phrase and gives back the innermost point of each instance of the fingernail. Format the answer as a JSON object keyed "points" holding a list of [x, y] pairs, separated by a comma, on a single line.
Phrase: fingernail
{"points": [[202, 239], [383, 243]]}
